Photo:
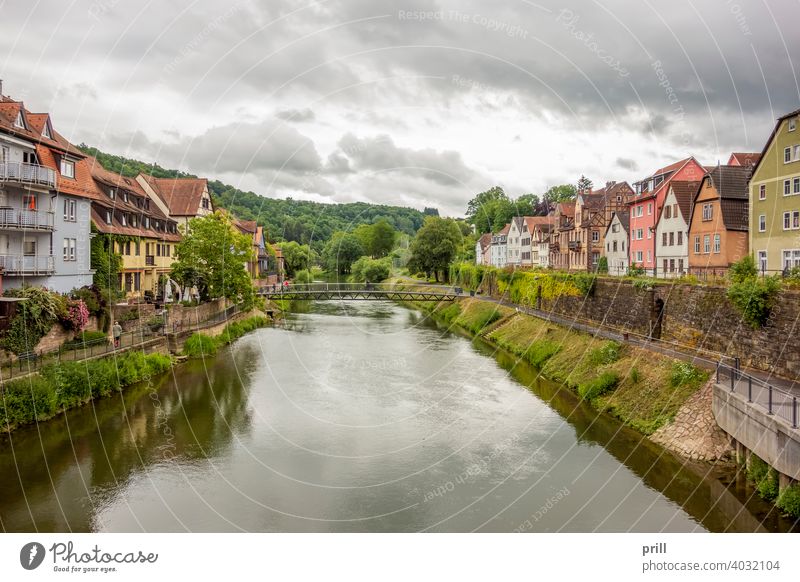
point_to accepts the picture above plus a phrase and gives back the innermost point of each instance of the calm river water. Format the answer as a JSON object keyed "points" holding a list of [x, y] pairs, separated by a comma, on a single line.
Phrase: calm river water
{"points": [[354, 417]]}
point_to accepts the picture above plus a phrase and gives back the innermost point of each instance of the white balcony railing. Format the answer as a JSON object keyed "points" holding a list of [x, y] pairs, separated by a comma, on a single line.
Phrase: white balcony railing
{"points": [[11, 218], [27, 264], [27, 174]]}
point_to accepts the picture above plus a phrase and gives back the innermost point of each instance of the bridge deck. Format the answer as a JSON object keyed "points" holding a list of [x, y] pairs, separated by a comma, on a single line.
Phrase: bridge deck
{"points": [[358, 295]]}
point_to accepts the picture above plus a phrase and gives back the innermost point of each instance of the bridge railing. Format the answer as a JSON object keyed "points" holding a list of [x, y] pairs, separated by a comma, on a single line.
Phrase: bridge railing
{"points": [[346, 287], [759, 392]]}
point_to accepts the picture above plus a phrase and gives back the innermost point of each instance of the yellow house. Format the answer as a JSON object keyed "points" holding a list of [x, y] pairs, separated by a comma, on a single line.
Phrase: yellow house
{"points": [[775, 199], [142, 234]]}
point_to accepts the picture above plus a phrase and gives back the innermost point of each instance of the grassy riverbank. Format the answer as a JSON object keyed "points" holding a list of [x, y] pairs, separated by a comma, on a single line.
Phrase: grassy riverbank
{"points": [[641, 388], [199, 344]]}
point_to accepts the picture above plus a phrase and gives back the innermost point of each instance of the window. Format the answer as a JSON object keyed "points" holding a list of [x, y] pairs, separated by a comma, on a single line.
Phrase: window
{"points": [[623, 246], [708, 211], [29, 202], [787, 220], [639, 256], [169, 251], [796, 186], [615, 228], [796, 153], [649, 208], [697, 245], [67, 168], [672, 265], [29, 248], [138, 244], [680, 265], [680, 237], [762, 223], [668, 211], [672, 239], [762, 260], [717, 243], [112, 193], [649, 233], [762, 192], [147, 222], [614, 246], [123, 219], [109, 216], [125, 196], [69, 249], [787, 155], [649, 256], [19, 121], [675, 210], [69, 210], [595, 236], [707, 244], [663, 239], [787, 187], [665, 263], [791, 258], [796, 219]]}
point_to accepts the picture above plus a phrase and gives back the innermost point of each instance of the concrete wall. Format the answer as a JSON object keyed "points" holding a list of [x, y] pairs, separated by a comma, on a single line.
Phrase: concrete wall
{"points": [[768, 436]]}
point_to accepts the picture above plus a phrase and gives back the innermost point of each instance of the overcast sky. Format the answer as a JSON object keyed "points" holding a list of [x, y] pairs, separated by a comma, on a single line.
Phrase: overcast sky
{"points": [[418, 103]]}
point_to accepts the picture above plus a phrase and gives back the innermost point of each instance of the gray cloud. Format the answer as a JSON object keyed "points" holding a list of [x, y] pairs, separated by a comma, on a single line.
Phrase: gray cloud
{"points": [[627, 164], [298, 115]]}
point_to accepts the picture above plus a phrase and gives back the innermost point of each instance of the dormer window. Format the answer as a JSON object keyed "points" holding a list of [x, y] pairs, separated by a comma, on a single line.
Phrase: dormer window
{"points": [[147, 222], [112, 193], [792, 124], [67, 168], [125, 196], [46, 131], [147, 204], [20, 121], [109, 216], [124, 219]]}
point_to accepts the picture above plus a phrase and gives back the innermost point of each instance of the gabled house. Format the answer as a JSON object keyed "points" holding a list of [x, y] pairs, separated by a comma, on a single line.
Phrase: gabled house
{"points": [[616, 243], [672, 230], [517, 233], [645, 206], [718, 230], [499, 247], [43, 188], [535, 228], [146, 236], [483, 249], [744, 159], [544, 239], [774, 194], [249, 228], [597, 208], [179, 198], [564, 244]]}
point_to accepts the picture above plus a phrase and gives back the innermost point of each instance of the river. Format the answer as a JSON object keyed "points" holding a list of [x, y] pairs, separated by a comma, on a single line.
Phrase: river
{"points": [[355, 416]]}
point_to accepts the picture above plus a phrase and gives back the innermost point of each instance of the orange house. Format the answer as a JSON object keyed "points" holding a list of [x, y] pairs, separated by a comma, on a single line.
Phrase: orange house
{"points": [[719, 220]]}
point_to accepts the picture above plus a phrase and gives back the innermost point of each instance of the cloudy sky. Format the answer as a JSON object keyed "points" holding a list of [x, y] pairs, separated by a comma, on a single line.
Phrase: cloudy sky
{"points": [[417, 102]]}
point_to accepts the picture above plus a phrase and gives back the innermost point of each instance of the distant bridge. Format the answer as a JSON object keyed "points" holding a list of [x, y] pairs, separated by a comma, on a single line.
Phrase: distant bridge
{"points": [[358, 292]]}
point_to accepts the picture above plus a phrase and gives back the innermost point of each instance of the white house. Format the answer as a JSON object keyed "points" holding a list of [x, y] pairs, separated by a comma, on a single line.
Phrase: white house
{"points": [[483, 250], [538, 227], [672, 230], [517, 232], [500, 247], [616, 239]]}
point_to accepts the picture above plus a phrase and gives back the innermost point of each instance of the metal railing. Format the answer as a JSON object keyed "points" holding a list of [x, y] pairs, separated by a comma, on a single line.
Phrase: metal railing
{"points": [[27, 174], [26, 219], [775, 401], [27, 264]]}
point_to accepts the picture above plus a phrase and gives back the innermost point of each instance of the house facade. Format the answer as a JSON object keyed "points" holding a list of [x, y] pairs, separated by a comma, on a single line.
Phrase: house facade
{"points": [[774, 193], [179, 198], [144, 236], [483, 249], [517, 234], [499, 247], [616, 243], [718, 229], [39, 215], [564, 245], [597, 209], [645, 206], [672, 230], [536, 228]]}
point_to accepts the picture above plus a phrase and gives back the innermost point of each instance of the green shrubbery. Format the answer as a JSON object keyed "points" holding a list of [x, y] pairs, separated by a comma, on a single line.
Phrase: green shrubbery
{"points": [[372, 270], [685, 373], [69, 384], [606, 354], [764, 478], [199, 345], [605, 382], [789, 500], [540, 351], [752, 296]]}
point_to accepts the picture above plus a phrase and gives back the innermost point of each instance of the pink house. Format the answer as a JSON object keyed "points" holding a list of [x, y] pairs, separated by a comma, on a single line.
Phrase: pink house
{"points": [[645, 207]]}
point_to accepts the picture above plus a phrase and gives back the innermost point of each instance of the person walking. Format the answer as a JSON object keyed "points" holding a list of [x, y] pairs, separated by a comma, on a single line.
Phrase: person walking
{"points": [[117, 331]]}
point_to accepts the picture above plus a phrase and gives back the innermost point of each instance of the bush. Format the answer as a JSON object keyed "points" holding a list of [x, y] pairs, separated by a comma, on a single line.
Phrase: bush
{"points": [[372, 270], [540, 351], [636, 271], [743, 269], [199, 345], [604, 355], [33, 318], [635, 375], [86, 338], [764, 478], [303, 277], [684, 373], [754, 298], [789, 500], [602, 265], [606, 382]]}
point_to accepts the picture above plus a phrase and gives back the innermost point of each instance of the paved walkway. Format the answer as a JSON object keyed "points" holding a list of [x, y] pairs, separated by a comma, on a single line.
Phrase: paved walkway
{"points": [[707, 360]]}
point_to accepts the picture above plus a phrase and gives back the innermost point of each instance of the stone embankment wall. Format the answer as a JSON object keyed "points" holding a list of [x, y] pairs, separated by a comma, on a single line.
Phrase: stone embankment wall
{"points": [[697, 317]]}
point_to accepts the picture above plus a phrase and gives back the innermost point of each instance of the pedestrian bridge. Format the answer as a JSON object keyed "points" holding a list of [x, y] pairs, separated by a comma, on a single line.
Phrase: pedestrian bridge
{"points": [[358, 292]]}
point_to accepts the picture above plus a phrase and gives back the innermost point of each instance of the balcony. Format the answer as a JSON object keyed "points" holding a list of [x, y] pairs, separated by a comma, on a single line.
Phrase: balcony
{"points": [[13, 219], [150, 260], [574, 245], [27, 174], [27, 265]]}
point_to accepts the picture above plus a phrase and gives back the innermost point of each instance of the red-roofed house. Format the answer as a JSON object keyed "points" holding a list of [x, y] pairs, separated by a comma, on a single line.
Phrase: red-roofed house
{"points": [[645, 207], [180, 198], [748, 160]]}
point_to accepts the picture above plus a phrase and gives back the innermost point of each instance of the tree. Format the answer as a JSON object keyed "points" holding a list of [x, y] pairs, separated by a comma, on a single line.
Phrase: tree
{"points": [[296, 257], [528, 205], [584, 184], [435, 246], [488, 209], [383, 238], [556, 194], [371, 270], [430, 211], [341, 252], [212, 256]]}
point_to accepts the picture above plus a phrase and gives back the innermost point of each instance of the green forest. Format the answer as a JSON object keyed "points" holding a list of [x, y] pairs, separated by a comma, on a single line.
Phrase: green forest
{"points": [[311, 223]]}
